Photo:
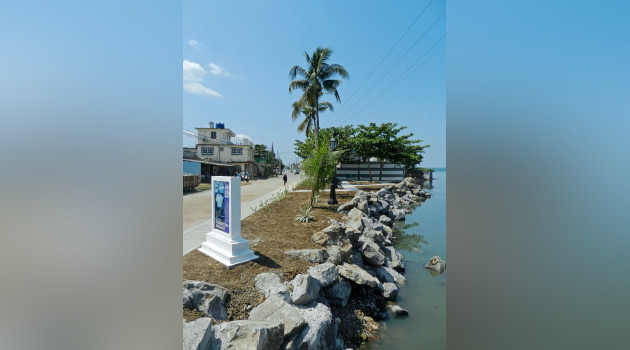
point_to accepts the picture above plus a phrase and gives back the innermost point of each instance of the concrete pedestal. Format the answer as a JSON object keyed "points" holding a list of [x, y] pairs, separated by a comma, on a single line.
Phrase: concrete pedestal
{"points": [[224, 243]]}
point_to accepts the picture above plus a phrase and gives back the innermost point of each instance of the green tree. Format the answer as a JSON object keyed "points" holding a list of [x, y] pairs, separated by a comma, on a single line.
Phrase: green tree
{"points": [[309, 122], [319, 168], [343, 134], [314, 81]]}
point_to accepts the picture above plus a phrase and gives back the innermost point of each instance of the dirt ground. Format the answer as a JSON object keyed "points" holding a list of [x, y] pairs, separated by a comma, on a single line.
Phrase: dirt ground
{"points": [[271, 231]]}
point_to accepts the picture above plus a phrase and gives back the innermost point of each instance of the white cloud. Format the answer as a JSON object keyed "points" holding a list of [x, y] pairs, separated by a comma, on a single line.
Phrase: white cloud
{"points": [[193, 78], [215, 69], [195, 44]]}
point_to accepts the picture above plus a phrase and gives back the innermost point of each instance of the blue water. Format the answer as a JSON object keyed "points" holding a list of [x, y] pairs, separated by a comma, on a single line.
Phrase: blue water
{"points": [[424, 295]]}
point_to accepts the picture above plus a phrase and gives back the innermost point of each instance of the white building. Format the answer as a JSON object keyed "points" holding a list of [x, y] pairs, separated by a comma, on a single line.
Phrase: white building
{"points": [[219, 145]]}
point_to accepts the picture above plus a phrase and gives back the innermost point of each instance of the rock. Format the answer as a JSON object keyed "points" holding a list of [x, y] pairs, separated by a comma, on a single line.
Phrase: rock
{"points": [[349, 205], [390, 291], [363, 206], [355, 212], [372, 254], [385, 220], [354, 224], [320, 333], [269, 284], [325, 273], [310, 255], [385, 206], [387, 231], [399, 214], [330, 235], [320, 237], [394, 259], [373, 236], [436, 263], [206, 298], [247, 334], [336, 254], [198, 334], [359, 276], [276, 310], [387, 274], [355, 258], [338, 293], [305, 289], [398, 311]]}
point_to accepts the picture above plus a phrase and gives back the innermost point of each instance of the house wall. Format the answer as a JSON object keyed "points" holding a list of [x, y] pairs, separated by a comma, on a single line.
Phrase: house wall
{"points": [[226, 155]]}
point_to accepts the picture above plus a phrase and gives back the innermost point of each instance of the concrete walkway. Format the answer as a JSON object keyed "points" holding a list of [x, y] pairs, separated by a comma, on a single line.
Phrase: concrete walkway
{"points": [[197, 205]]}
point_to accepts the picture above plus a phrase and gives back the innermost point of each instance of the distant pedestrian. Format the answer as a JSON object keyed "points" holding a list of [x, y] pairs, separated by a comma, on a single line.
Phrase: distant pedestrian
{"points": [[284, 178], [247, 177]]}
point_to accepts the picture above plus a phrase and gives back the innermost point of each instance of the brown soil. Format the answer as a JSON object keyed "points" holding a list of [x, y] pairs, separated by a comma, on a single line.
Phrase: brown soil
{"points": [[271, 231]]}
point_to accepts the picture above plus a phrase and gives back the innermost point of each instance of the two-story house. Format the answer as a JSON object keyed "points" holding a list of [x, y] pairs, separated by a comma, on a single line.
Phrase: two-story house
{"points": [[218, 144]]}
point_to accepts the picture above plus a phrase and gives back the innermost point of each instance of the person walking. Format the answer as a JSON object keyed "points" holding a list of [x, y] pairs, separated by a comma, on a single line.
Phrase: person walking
{"points": [[284, 178]]}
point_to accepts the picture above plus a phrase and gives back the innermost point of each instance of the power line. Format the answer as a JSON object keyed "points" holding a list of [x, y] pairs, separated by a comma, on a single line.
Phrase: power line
{"points": [[394, 65], [400, 76], [390, 51]]}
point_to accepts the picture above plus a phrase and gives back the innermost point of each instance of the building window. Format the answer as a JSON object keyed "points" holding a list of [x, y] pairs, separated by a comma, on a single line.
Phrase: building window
{"points": [[207, 151], [213, 134], [237, 151]]}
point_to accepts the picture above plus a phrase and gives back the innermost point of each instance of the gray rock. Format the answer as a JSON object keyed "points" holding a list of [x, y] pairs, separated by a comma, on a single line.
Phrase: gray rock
{"points": [[321, 331], [372, 254], [398, 311], [247, 334], [356, 259], [390, 290], [359, 276], [338, 293], [387, 231], [206, 298], [276, 310], [325, 273], [354, 224], [349, 205], [363, 206], [399, 214], [305, 289], [394, 259], [436, 263], [387, 274], [335, 254], [385, 220], [269, 284], [355, 212], [373, 236], [310, 255], [385, 206], [198, 334]]}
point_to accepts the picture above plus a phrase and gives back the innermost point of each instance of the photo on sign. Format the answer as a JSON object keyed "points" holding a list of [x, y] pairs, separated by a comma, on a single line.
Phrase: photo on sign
{"points": [[222, 206]]}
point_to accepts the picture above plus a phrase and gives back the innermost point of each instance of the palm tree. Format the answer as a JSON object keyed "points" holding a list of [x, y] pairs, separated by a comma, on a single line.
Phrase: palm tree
{"points": [[309, 115], [316, 81]]}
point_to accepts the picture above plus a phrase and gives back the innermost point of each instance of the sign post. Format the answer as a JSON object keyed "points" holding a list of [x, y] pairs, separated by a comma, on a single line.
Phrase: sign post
{"points": [[224, 243]]}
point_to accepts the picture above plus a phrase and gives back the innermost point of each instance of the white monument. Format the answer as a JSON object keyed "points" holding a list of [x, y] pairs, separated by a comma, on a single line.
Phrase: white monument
{"points": [[224, 242]]}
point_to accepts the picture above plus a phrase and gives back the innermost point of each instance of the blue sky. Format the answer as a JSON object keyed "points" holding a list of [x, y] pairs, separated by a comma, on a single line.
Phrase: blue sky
{"points": [[237, 56]]}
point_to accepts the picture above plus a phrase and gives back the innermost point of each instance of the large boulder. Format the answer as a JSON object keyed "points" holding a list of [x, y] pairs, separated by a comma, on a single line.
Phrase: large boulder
{"points": [[247, 334], [394, 259], [399, 214], [355, 212], [269, 284], [319, 334], [363, 206], [390, 290], [198, 334], [386, 220], [349, 205], [354, 224], [309, 255], [338, 293], [276, 310], [372, 253], [325, 273], [305, 289], [398, 311], [387, 274], [206, 298], [359, 276], [373, 236], [330, 235], [337, 254], [436, 263]]}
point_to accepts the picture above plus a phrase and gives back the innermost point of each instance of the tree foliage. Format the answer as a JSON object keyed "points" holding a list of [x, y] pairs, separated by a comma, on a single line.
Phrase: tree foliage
{"points": [[319, 168], [314, 81]]}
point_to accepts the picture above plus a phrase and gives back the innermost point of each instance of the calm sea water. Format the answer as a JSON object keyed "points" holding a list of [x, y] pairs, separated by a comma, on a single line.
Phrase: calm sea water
{"points": [[424, 295]]}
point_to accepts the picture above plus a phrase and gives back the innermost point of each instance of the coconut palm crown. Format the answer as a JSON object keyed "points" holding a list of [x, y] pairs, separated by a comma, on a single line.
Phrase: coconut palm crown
{"points": [[309, 122], [315, 81]]}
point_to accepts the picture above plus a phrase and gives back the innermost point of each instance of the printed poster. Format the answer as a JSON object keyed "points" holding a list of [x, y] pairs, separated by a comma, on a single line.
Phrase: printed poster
{"points": [[222, 206]]}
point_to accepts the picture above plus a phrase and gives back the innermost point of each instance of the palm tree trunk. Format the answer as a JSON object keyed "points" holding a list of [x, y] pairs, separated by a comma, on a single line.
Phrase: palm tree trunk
{"points": [[317, 122], [380, 176]]}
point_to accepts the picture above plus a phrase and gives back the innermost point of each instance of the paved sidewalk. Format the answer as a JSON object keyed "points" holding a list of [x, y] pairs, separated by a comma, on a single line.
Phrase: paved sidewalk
{"points": [[253, 194]]}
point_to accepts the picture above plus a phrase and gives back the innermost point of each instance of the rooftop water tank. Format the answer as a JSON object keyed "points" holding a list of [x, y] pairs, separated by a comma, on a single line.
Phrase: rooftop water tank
{"points": [[220, 126], [211, 124]]}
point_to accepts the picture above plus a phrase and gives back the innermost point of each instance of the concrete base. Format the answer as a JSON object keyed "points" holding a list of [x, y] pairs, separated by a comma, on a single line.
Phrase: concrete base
{"points": [[228, 252]]}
